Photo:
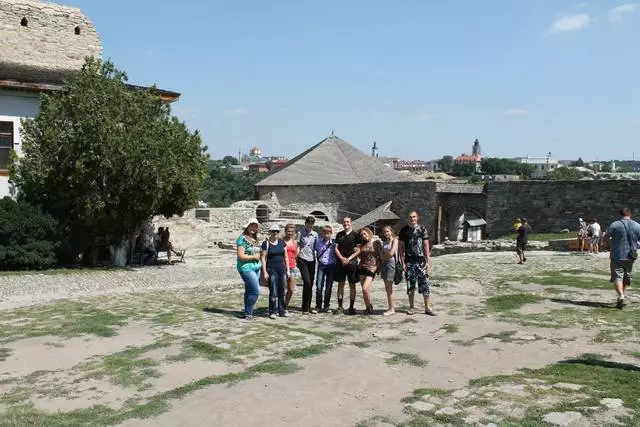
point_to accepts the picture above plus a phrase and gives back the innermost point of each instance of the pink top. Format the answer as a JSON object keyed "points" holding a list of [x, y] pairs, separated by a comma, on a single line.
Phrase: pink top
{"points": [[292, 248]]}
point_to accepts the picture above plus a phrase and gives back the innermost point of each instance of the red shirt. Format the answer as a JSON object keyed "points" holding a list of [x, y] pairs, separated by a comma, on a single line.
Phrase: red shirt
{"points": [[292, 248]]}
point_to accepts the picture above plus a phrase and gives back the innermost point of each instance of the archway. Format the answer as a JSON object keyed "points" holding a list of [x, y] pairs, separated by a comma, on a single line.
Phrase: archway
{"points": [[319, 215], [262, 213]]}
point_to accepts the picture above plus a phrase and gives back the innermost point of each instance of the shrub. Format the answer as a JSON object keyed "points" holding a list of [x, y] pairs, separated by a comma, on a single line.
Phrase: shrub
{"points": [[28, 237]]}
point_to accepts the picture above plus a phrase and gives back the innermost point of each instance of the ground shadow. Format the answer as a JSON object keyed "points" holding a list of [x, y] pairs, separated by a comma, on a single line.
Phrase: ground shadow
{"points": [[602, 364], [593, 304], [234, 313]]}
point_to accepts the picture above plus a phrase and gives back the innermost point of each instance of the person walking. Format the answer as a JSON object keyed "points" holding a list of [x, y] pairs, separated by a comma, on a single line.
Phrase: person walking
{"points": [[623, 238], [388, 271], [275, 271], [522, 240], [307, 262], [248, 265], [594, 231], [347, 266], [369, 252], [292, 253], [326, 267], [415, 257]]}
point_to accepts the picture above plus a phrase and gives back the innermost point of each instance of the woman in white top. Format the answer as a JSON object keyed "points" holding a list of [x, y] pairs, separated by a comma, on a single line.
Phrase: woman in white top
{"points": [[389, 257]]}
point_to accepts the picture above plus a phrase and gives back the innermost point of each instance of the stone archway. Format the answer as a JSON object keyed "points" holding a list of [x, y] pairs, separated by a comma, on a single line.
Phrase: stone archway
{"points": [[320, 215], [262, 213]]}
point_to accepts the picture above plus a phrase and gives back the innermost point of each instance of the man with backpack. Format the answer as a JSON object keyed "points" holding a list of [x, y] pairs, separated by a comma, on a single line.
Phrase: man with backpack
{"points": [[623, 238]]}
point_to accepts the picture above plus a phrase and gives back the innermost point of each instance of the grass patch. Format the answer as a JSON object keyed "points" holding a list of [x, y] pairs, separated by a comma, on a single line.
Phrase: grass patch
{"points": [[450, 328], [419, 393], [406, 359], [635, 354], [408, 321], [569, 278], [309, 351], [63, 319], [361, 344], [205, 350], [4, 354], [504, 336], [511, 301]]}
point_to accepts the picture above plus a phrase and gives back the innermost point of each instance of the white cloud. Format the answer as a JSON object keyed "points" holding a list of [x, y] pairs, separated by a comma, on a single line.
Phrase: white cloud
{"points": [[238, 111], [616, 14], [516, 112], [570, 23]]}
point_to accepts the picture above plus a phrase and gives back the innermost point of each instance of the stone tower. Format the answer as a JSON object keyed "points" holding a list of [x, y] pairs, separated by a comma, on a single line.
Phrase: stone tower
{"points": [[476, 151], [374, 149], [44, 41]]}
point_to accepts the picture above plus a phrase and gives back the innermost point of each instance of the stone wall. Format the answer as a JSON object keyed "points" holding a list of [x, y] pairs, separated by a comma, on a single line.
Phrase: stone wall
{"points": [[552, 206], [55, 39]]}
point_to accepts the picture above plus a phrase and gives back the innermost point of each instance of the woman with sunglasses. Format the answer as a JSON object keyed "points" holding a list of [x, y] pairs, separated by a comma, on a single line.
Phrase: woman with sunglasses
{"points": [[275, 270]]}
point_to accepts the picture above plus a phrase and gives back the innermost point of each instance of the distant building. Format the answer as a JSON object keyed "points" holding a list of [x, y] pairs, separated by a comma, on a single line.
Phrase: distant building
{"points": [[542, 165], [475, 157], [374, 150]]}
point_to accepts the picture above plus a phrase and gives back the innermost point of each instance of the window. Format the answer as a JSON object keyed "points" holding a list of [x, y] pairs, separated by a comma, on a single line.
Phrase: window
{"points": [[6, 144], [24, 22], [77, 30]]}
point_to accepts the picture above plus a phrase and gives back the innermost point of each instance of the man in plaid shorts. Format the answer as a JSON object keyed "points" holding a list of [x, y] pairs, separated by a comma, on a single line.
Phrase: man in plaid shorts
{"points": [[415, 257]]}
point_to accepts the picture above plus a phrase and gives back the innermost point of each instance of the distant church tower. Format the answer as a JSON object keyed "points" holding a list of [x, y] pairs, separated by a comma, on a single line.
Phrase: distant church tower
{"points": [[374, 149], [476, 151]]}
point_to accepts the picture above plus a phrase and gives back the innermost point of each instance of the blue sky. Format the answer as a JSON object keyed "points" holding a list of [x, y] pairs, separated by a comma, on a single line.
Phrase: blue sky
{"points": [[423, 78]]}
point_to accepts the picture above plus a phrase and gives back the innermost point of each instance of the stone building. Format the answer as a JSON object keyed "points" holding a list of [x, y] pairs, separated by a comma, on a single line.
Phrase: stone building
{"points": [[41, 44]]}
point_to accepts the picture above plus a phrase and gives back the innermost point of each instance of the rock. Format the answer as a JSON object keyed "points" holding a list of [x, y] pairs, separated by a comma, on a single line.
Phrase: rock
{"points": [[491, 425], [421, 406], [568, 386], [179, 333], [448, 411], [222, 245], [461, 394], [612, 403], [563, 418], [514, 389]]}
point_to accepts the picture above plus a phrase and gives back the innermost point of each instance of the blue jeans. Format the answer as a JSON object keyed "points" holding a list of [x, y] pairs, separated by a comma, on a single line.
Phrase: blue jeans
{"points": [[277, 284], [251, 289], [324, 281]]}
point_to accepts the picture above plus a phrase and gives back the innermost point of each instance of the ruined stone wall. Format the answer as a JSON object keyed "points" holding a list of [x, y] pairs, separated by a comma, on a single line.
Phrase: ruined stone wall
{"points": [[359, 199], [551, 206], [55, 39]]}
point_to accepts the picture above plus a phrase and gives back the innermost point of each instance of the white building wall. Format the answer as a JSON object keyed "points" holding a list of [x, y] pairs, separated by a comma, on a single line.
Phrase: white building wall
{"points": [[14, 106]]}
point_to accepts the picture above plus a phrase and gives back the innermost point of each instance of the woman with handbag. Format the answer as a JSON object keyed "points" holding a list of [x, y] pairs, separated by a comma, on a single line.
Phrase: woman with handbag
{"points": [[389, 270]]}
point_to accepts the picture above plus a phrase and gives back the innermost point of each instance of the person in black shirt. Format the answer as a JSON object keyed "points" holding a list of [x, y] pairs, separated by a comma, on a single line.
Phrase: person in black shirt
{"points": [[522, 240], [347, 264], [415, 257]]}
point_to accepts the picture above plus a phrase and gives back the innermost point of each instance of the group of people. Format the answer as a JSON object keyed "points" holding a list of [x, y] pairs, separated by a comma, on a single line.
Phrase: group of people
{"points": [[352, 257], [589, 234], [161, 242]]}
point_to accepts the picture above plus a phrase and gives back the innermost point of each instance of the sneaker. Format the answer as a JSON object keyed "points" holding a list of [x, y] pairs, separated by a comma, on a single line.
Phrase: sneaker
{"points": [[430, 312], [314, 311], [306, 313], [340, 310], [286, 314], [389, 313], [327, 310], [352, 312], [272, 316], [410, 312], [620, 303], [248, 317]]}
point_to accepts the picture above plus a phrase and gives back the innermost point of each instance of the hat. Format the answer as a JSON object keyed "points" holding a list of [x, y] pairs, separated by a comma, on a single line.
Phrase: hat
{"points": [[251, 221], [274, 227]]}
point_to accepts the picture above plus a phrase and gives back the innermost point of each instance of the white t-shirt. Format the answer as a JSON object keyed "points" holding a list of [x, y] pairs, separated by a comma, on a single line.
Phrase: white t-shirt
{"points": [[595, 229]]}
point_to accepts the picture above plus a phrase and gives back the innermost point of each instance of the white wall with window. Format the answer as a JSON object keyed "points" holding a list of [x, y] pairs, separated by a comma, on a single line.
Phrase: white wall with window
{"points": [[14, 105]]}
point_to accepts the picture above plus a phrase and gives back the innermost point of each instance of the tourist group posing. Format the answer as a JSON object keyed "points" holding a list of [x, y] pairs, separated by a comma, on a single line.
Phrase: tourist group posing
{"points": [[352, 257]]}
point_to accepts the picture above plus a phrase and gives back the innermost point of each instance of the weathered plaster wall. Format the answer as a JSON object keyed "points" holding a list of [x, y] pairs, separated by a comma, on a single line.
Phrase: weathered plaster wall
{"points": [[47, 43], [551, 206]]}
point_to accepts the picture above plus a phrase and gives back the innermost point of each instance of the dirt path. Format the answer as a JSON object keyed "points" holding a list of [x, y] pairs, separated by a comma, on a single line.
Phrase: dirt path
{"points": [[179, 356]]}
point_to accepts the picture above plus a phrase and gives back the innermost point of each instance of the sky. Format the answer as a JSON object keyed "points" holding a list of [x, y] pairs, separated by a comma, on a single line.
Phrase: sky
{"points": [[423, 78]]}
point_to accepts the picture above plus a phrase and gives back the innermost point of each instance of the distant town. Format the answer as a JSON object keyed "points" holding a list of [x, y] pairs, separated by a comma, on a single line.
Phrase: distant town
{"points": [[472, 165]]}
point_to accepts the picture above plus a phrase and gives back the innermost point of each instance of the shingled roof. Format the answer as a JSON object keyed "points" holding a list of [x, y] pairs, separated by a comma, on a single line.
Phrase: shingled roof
{"points": [[378, 214], [332, 161]]}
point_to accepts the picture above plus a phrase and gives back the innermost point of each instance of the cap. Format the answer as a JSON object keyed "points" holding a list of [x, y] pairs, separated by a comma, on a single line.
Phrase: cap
{"points": [[251, 221], [274, 227]]}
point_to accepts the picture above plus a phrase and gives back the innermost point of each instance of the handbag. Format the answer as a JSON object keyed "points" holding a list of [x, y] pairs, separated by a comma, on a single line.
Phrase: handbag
{"points": [[399, 274], [633, 248], [263, 281]]}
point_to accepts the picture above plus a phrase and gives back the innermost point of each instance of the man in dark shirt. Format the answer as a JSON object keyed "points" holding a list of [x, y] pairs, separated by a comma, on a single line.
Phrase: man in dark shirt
{"points": [[346, 269], [522, 239], [415, 256]]}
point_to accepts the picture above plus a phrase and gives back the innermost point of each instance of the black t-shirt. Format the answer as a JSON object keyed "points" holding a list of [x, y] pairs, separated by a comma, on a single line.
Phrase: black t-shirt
{"points": [[523, 233], [275, 254], [347, 242], [413, 239]]}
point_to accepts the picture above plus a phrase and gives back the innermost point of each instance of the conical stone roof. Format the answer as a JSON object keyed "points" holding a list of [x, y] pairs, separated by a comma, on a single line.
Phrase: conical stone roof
{"points": [[333, 161]]}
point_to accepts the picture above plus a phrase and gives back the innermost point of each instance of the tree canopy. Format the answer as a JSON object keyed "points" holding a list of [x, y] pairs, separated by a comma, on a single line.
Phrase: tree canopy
{"points": [[446, 163], [222, 187], [566, 174], [102, 157], [497, 166]]}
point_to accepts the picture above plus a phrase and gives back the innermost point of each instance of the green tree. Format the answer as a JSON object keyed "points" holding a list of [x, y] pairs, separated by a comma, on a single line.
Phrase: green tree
{"points": [[229, 160], [102, 158], [222, 187], [578, 162], [463, 169], [446, 163], [566, 174], [606, 167], [497, 166]]}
